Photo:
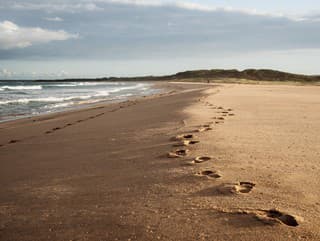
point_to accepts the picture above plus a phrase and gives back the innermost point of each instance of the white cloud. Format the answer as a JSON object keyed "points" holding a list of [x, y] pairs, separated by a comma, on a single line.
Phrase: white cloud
{"points": [[13, 36], [187, 5], [5, 73], [54, 7], [54, 19]]}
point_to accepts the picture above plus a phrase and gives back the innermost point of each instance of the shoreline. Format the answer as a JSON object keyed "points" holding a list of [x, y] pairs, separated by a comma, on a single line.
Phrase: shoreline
{"points": [[119, 172], [87, 105]]}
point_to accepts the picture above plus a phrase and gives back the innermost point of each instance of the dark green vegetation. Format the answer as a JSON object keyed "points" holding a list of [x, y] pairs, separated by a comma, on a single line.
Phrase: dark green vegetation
{"points": [[218, 74]]}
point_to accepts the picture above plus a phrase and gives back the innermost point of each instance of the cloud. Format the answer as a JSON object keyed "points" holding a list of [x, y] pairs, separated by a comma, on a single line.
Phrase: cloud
{"points": [[192, 6], [5, 73], [55, 7], [12, 36], [54, 19], [75, 6]]}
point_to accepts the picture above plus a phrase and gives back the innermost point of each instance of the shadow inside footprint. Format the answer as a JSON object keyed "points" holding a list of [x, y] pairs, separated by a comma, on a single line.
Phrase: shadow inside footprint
{"points": [[201, 159], [182, 137], [209, 173], [178, 153], [186, 143], [282, 217], [235, 188], [13, 141]]}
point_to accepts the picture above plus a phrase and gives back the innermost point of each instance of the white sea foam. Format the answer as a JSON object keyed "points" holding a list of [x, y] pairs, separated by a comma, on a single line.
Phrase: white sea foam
{"points": [[45, 99], [60, 105], [21, 87], [64, 85], [25, 99]]}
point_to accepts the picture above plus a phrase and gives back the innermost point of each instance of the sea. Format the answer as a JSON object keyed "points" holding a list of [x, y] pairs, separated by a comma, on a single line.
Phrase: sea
{"points": [[20, 99]]}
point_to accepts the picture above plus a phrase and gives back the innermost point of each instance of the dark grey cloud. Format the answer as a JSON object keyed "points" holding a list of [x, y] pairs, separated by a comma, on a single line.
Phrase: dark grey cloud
{"points": [[113, 30]]}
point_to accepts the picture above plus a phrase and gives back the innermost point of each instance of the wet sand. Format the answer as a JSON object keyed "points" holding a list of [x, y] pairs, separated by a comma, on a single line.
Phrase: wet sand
{"points": [[204, 162]]}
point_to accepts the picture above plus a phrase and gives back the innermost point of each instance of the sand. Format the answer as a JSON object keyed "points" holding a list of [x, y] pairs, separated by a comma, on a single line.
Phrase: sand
{"points": [[247, 169]]}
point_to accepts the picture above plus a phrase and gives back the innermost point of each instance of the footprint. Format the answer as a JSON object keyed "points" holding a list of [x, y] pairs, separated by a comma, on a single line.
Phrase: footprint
{"points": [[220, 118], [231, 114], [201, 159], [48, 132], [224, 112], [209, 173], [240, 187], [229, 109], [277, 215], [182, 137], [269, 217], [186, 143], [202, 129], [56, 128], [220, 108], [178, 153], [13, 141]]}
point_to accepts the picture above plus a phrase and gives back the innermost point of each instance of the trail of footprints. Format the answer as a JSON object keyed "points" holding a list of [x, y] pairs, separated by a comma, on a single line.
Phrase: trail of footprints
{"points": [[183, 141], [121, 105]]}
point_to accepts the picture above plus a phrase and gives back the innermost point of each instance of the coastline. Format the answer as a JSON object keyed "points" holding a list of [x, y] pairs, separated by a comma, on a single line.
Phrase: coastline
{"points": [[88, 103], [102, 173]]}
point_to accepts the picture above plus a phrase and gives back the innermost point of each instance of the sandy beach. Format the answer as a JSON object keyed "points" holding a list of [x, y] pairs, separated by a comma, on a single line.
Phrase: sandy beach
{"points": [[200, 162]]}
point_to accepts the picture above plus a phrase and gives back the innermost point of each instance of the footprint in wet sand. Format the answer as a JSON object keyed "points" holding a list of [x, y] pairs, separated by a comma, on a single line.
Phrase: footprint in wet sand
{"points": [[13, 141], [56, 128], [201, 159], [48, 132], [178, 153], [220, 118], [240, 187], [186, 143], [209, 173]]}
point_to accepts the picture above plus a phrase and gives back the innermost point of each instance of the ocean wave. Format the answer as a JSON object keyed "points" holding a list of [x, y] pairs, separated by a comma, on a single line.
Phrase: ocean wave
{"points": [[63, 85], [21, 87], [60, 105], [45, 99]]}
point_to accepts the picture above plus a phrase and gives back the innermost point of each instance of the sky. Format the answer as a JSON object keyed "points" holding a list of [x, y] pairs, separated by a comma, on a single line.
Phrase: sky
{"points": [[97, 38]]}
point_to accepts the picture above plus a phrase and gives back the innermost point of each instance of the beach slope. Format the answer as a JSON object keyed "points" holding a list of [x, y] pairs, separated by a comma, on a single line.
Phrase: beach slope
{"points": [[203, 162]]}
